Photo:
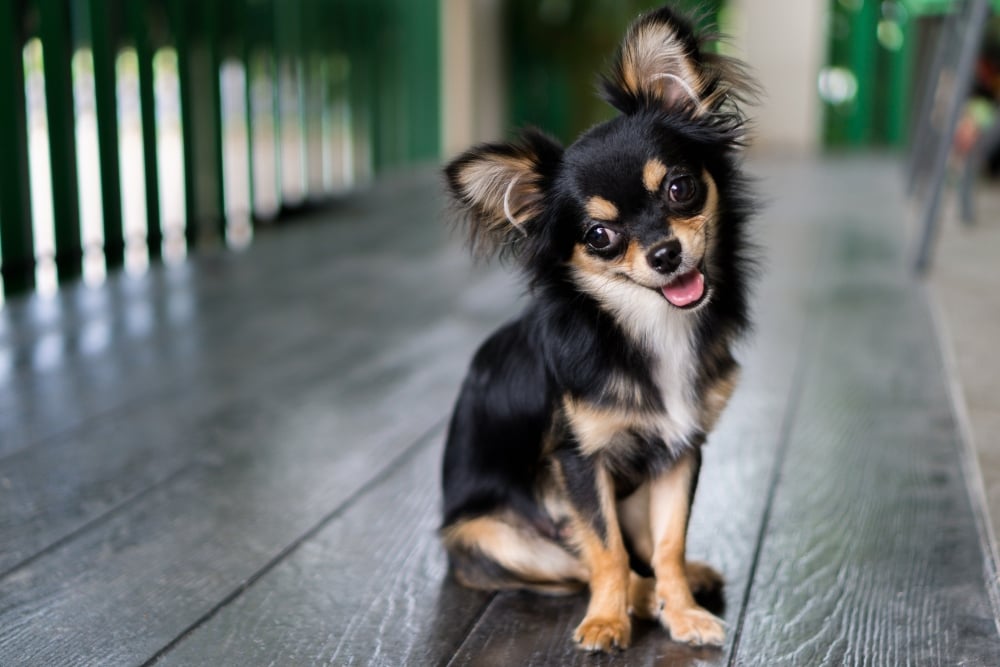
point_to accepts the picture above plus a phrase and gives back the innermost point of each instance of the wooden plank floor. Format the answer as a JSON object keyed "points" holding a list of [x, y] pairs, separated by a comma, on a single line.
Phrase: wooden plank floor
{"points": [[235, 461]]}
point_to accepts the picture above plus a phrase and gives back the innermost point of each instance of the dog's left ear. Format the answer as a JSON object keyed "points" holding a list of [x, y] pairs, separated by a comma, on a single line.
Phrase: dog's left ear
{"points": [[662, 64]]}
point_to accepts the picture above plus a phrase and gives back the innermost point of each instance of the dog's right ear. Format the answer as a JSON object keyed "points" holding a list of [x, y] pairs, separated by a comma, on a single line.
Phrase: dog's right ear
{"points": [[501, 188]]}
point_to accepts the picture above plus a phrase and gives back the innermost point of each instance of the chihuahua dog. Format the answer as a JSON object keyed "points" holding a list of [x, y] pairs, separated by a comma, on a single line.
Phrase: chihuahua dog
{"points": [[575, 445]]}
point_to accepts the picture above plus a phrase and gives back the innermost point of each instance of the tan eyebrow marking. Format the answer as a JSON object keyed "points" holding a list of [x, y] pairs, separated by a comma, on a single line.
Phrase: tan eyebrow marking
{"points": [[600, 208], [653, 174]]}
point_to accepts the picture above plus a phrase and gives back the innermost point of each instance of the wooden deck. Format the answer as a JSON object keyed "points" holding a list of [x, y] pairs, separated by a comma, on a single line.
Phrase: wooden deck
{"points": [[235, 462]]}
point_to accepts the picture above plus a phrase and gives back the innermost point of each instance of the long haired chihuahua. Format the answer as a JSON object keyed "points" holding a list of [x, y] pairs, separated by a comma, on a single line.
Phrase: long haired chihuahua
{"points": [[575, 445]]}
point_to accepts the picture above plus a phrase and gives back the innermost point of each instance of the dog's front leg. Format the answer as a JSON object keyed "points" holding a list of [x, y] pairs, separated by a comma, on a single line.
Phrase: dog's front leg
{"points": [[670, 507], [590, 490]]}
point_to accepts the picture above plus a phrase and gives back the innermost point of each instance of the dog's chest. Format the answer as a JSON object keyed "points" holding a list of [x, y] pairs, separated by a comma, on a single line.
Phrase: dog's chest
{"points": [[668, 337], [674, 369]]}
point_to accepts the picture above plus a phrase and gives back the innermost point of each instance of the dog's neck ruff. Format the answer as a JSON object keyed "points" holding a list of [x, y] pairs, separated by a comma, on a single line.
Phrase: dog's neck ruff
{"points": [[667, 335]]}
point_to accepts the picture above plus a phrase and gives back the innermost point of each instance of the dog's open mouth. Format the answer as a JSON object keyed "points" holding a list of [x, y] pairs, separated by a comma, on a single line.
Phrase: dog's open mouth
{"points": [[687, 290]]}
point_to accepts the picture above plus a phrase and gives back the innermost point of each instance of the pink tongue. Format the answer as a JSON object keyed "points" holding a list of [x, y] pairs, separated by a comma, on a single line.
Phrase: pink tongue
{"points": [[685, 290]]}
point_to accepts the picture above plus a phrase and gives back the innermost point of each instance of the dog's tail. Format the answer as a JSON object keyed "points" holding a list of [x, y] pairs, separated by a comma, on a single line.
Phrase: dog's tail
{"points": [[497, 552]]}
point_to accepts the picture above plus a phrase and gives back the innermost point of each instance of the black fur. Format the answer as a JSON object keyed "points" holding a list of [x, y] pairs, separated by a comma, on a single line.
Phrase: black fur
{"points": [[510, 422]]}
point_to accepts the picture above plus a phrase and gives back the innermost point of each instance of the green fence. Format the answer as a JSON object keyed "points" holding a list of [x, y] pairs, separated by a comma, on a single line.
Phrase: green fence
{"points": [[142, 128], [879, 52]]}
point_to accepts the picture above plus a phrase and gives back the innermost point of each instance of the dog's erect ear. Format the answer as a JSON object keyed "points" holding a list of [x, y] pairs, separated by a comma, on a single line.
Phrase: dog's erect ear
{"points": [[661, 64], [501, 189]]}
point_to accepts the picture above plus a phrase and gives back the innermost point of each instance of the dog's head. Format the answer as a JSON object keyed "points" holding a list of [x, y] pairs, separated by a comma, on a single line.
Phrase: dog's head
{"points": [[642, 199]]}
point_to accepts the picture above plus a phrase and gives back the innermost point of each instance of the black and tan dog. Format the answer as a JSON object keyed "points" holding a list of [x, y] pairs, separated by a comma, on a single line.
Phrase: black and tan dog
{"points": [[574, 449]]}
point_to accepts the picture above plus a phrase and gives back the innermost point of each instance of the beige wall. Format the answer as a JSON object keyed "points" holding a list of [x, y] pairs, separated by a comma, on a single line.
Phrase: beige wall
{"points": [[783, 41], [473, 101]]}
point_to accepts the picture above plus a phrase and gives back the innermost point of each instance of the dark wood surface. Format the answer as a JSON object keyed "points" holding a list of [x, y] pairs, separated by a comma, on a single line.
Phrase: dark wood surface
{"points": [[236, 461]]}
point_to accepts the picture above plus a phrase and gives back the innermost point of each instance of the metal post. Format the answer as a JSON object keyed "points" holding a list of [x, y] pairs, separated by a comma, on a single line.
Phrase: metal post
{"points": [[970, 34]]}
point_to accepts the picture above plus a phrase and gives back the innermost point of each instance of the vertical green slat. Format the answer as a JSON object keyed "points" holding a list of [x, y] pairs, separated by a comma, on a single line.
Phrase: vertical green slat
{"points": [[421, 79], [57, 51], [137, 19], [285, 54], [360, 39], [247, 35], [863, 59], [299, 54], [213, 37], [104, 47], [378, 26], [179, 28], [275, 41], [311, 100], [16, 243], [197, 57]]}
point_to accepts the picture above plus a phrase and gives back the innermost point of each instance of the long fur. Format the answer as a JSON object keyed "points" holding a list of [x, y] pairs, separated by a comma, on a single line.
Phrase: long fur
{"points": [[622, 361]]}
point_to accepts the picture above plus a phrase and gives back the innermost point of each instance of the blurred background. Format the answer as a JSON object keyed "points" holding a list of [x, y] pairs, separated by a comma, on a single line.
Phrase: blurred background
{"points": [[136, 130]]}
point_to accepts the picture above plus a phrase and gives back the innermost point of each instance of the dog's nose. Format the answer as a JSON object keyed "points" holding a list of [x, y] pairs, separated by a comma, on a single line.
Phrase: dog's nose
{"points": [[666, 257]]}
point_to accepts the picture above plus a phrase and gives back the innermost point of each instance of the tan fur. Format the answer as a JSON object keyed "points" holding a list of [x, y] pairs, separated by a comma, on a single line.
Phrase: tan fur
{"points": [[669, 507], [652, 51], [598, 427], [600, 208], [642, 599], [585, 262], [701, 577], [623, 390], [530, 556], [656, 63], [717, 397], [488, 183], [693, 232], [653, 174], [606, 624]]}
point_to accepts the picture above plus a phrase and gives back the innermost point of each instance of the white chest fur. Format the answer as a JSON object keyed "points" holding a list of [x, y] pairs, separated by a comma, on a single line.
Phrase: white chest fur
{"points": [[668, 334]]}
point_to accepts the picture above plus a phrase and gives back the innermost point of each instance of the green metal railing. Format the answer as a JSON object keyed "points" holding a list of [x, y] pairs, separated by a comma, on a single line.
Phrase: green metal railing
{"points": [[329, 92]]}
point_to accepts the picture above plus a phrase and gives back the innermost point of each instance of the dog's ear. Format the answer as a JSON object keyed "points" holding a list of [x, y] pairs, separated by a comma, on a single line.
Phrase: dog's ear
{"points": [[501, 190], [662, 64]]}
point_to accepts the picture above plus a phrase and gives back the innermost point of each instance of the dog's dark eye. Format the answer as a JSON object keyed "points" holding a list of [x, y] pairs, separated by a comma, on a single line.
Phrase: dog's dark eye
{"points": [[683, 189], [600, 238]]}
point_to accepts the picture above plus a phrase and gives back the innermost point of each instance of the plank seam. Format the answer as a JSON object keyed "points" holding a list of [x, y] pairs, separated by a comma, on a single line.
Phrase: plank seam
{"points": [[784, 439], [967, 453], [97, 520], [476, 621], [424, 440]]}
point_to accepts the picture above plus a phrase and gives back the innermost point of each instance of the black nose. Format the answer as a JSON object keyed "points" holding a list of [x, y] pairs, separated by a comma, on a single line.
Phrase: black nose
{"points": [[666, 257]]}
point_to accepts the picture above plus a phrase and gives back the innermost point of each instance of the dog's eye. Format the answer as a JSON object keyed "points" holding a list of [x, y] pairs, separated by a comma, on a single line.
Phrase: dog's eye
{"points": [[682, 189], [600, 238]]}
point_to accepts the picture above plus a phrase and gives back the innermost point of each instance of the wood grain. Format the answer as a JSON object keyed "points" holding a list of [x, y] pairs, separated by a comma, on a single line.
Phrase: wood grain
{"points": [[329, 335], [169, 508], [871, 548], [83, 353], [247, 483], [732, 492], [368, 589]]}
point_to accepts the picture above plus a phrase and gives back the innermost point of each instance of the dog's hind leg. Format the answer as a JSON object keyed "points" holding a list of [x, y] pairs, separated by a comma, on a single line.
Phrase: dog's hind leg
{"points": [[497, 552]]}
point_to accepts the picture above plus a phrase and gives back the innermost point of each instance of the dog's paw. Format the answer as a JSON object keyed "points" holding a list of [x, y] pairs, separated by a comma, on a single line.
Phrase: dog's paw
{"points": [[603, 634], [642, 602], [702, 578], [693, 626]]}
